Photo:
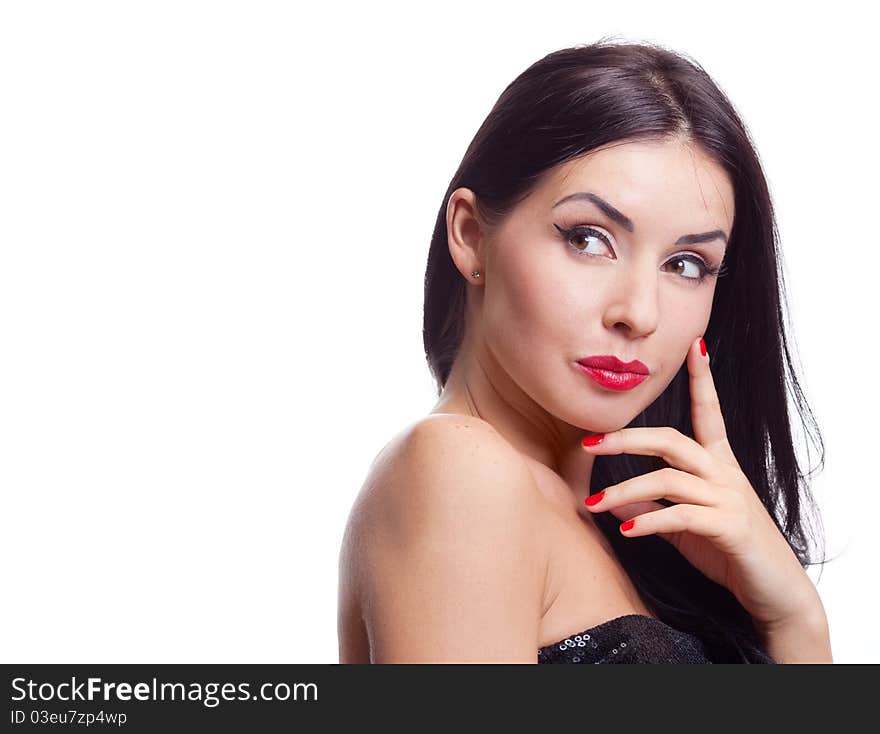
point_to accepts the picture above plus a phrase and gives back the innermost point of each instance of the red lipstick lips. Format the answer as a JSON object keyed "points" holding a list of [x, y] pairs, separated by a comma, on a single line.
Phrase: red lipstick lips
{"points": [[610, 362], [610, 372]]}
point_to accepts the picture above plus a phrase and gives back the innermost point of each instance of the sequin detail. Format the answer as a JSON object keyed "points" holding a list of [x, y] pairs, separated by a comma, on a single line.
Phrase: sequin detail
{"points": [[631, 638]]}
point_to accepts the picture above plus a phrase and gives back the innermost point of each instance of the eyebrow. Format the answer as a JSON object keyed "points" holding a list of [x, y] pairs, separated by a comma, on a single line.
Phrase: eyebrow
{"points": [[627, 223]]}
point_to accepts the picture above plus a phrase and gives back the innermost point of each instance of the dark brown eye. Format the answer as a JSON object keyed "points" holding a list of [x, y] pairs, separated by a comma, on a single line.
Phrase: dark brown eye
{"points": [[680, 262], [583, 235]]}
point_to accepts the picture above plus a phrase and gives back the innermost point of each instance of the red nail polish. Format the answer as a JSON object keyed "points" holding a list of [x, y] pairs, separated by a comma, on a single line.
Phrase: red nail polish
{"points": [[593, 440], [594, 499], [627, 525], [702, 347]]}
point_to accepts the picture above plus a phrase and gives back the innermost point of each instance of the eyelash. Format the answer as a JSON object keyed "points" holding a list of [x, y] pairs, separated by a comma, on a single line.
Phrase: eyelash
{"points": [[706, 270]]}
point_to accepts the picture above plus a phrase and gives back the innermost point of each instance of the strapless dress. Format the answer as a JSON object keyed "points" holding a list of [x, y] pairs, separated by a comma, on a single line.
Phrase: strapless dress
{"points": [[631, 638]]}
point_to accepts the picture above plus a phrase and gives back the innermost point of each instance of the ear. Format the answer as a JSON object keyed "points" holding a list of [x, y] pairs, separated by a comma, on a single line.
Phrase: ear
{"points": [[464, 235]]}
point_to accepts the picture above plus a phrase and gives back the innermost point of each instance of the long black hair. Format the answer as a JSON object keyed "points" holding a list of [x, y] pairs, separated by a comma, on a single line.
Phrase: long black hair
{"points": [[564, 105]]}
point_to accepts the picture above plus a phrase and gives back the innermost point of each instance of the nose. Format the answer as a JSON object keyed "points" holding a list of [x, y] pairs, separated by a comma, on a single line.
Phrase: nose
{"points": [[633, 305]]}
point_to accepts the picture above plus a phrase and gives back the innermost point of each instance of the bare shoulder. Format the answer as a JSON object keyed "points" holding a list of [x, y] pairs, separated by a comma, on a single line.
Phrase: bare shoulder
{"points": [[442, 549], [443, 442], [443, 456]]}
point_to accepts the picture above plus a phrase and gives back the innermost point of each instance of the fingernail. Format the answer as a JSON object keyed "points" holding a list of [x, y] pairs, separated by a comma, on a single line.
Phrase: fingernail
{"points": [[594, 499], [627, 525], [702, 347], [593, 440]]}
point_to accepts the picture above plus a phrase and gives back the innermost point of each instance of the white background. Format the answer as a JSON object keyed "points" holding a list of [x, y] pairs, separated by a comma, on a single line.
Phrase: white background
{"points": [[214, 223]]}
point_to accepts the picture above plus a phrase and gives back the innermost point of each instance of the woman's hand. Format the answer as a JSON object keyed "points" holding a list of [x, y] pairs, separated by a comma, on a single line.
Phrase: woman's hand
{"points": [[720, 524]]}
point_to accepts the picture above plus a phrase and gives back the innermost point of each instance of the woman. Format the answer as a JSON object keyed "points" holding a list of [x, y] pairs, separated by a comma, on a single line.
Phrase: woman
{"points": [[607, 234]]}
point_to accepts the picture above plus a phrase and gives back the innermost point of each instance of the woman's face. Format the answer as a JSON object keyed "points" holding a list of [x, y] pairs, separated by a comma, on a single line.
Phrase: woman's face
{"points": [[630, 288]]}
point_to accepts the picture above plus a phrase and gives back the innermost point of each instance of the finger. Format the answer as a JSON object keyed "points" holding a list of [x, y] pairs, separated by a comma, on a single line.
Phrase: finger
{"points": [[706, 417], [704, 521], [625, 512], [670, 484], [678, 450]]}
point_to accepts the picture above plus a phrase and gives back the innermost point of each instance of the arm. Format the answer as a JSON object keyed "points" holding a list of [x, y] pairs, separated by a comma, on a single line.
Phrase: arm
{"points": [[454, 567], [803, 639]]}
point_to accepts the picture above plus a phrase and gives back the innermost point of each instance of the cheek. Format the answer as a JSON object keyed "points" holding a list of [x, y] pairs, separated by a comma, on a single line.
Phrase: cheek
{"points": [[686, 312], [683, 317], [530, 304]]}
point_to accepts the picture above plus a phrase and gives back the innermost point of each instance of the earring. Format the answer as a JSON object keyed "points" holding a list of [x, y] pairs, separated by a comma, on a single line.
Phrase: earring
{"points": [[475, 274]]}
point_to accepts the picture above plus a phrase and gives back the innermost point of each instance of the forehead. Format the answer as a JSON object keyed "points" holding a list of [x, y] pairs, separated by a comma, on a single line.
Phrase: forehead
{"points": [[659, 183]]}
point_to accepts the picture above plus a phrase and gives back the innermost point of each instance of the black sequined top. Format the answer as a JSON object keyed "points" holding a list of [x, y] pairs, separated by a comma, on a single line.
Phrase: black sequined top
{"points": [[632, 638]]}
